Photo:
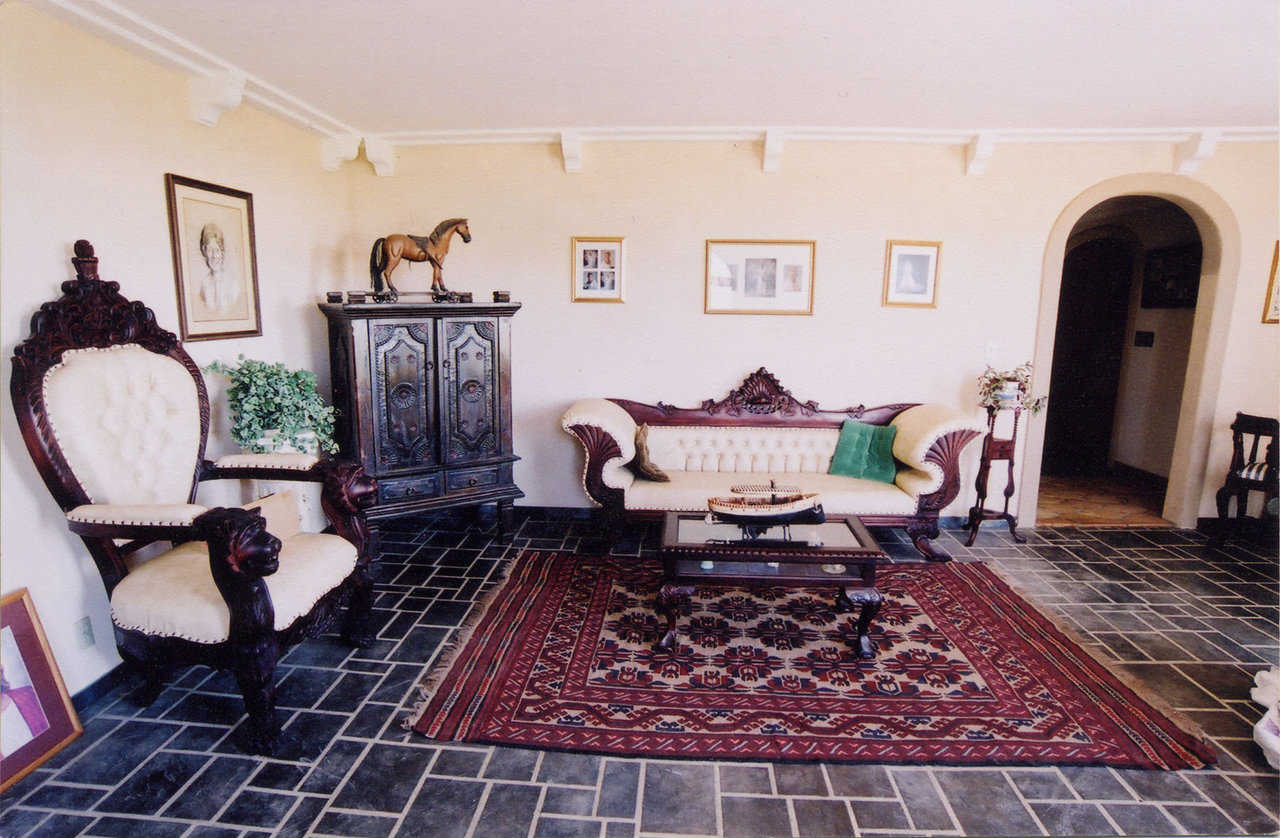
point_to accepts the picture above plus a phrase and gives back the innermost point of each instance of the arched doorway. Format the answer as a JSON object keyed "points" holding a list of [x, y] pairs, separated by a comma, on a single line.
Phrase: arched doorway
{"points": [[1125, 313], [1220, 238]]}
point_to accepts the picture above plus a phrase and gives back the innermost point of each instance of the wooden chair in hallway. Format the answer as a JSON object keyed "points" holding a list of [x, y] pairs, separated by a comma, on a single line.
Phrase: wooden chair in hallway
{"points": [[1248, 473]]}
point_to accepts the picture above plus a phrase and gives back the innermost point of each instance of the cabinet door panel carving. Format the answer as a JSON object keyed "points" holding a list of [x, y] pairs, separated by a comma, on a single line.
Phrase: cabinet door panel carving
{"points": [[470, 397], [402, 360]]}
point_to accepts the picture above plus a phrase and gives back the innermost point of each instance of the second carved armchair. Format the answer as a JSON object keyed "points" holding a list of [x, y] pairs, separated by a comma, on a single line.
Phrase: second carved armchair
{"points": [[115, 415]]}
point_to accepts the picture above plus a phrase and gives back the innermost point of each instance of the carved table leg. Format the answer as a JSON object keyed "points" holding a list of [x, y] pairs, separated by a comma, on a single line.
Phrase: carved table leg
{"points": [[920, 535], [870, 600], [670, 599]]}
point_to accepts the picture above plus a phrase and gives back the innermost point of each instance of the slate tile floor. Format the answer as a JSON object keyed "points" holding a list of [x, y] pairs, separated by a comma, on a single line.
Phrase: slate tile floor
{"points": [[1191, 622]]}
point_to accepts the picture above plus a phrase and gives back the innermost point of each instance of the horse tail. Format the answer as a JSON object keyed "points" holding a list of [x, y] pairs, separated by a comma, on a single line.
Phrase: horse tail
{"points": [[377, 261]]}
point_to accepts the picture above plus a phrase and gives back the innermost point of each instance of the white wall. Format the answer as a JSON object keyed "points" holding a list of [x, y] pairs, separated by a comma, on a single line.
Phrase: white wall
{"points": [[87, 134], [89, 130]]}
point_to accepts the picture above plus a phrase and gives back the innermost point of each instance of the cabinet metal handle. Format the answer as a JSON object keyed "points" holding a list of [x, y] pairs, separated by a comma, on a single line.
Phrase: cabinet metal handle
{"points": [[411, 491], [473, 481]]}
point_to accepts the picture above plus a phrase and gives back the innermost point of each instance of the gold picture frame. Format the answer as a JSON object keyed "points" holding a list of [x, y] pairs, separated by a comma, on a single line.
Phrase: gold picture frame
{"points": [[911, 273], [596, 269], [215, 259], [1271, 308], [759, 276], [39, 719]]}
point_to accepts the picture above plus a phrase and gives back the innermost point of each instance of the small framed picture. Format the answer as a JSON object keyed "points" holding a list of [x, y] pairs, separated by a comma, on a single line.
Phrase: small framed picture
{"points": [[1271, 309], [36, 716], [597, 269], [911, 273], [215, 260], [748, 276]]}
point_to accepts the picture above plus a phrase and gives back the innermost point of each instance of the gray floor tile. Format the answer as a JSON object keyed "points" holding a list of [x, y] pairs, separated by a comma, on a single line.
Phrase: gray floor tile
{"points": [[985, 804], [1202, 820], [755, 817], [1040, 784], [879, 814], [860, 781], [800, 779], [923, 801], [508, 811], [1072, 819], [822, 818], [745, 779], [1140, 819], [678, 798]]}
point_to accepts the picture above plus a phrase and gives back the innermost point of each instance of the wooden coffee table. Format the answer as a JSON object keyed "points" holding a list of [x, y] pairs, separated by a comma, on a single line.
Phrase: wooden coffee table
{"points": [[839, 552]]}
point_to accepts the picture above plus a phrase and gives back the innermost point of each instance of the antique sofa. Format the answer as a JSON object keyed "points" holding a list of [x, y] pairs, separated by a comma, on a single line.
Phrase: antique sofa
{"points": [[761, 430]]}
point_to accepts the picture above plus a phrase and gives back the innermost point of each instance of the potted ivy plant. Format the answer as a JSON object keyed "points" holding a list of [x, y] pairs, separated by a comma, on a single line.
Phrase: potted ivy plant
{"points": [[1009, 388], [274, 408]]}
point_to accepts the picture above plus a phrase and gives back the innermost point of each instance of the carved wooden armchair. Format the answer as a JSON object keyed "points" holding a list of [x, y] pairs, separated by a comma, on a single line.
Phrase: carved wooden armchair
{"points": [[115, 415], [1254, 471]]}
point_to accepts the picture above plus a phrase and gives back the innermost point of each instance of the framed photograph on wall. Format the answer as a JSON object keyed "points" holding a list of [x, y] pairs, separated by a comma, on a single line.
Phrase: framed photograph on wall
{"points": [[597, 269], [1271, 308], [36, 716], [215, 260], [748, 276], [911, 273]]}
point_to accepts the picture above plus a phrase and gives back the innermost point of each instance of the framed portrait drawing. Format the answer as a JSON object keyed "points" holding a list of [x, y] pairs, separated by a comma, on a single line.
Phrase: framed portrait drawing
{"points": [[748, 276], [215, 260], [36, 716], [596, 275], [911, 273], [1271, 308]]}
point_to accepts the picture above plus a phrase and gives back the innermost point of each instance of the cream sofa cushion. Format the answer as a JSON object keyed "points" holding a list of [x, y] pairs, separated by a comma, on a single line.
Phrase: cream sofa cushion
{"points": [[689, 490], [754, 450], [128, 423], [173, 594]]}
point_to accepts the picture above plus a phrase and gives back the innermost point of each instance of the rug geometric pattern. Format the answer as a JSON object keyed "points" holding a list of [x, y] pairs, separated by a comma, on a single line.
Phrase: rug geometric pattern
{"points": [[966, 673]]}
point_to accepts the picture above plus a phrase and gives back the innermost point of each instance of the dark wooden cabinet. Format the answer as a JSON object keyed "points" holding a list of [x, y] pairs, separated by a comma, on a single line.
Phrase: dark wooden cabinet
{"points": [[423, 395]]}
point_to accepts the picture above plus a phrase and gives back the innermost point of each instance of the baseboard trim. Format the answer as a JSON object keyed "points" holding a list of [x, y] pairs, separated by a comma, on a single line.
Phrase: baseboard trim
{"points": [[87, 696]]}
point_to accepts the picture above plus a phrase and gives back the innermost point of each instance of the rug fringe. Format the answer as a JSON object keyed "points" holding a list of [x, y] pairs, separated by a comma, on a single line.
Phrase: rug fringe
{"points": [[1104, 659], [450, 650]]}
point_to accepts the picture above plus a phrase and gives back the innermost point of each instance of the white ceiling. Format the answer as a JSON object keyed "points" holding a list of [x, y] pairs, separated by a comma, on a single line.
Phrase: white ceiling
{"points": [[402, 68]]}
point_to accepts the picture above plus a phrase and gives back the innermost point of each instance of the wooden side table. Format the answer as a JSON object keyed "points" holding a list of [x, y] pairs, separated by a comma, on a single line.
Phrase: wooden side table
{"points": [[995, 449]]}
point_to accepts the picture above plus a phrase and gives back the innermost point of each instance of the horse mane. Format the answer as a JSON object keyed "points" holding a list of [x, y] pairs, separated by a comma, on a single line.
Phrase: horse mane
{"points": [[444, 227]]}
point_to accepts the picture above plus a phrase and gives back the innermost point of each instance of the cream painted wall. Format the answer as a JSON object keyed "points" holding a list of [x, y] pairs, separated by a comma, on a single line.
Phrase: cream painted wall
{"points": [[87, 133], [667, 198]]}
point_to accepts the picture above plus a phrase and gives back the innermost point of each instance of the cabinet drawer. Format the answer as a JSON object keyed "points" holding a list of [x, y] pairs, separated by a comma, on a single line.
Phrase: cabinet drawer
{"points": [[472, 478], [391, 490]]}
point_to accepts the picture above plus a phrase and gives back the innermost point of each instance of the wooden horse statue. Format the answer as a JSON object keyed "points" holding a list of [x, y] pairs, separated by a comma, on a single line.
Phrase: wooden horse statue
{"points": [[389, 250]]}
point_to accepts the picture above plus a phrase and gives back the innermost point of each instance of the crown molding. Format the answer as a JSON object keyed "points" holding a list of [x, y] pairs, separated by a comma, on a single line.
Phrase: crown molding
{"points": [[134, 32], [217, 85]]}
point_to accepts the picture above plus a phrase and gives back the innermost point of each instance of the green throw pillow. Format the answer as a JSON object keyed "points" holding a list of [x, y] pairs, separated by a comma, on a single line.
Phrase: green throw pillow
{"points": [[865, 451]]}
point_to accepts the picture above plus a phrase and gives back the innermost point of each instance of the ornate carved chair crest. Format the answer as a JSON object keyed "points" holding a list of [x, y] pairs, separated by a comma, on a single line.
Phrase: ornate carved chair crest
{"points": [[115, 415]]}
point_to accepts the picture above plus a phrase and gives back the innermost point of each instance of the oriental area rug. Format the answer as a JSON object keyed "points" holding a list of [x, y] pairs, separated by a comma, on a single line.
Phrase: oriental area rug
{"points": [[561, 656]]}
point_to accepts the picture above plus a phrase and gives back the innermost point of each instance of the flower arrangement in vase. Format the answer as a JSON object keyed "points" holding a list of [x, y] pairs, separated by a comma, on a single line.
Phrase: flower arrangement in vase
{"points": [[274, 408], [1009, 388]]}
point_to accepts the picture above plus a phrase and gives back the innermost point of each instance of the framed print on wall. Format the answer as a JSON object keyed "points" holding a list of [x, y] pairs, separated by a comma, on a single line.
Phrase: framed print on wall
{"points": [[597, 269], [36, 716], [748, 276], [911, 273], [1271, 308], [215, 260]]}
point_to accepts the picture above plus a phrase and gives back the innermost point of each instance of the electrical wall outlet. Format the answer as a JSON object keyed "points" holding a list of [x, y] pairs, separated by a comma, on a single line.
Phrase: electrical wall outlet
{"points": [[84, 633]]}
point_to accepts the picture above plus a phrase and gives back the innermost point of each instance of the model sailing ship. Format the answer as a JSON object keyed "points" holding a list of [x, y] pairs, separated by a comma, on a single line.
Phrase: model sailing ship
{"points": [[756, 508]]}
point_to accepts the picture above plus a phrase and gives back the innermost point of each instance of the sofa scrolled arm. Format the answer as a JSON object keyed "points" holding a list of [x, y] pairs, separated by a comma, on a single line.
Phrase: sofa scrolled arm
{"points": [[608, 436]]}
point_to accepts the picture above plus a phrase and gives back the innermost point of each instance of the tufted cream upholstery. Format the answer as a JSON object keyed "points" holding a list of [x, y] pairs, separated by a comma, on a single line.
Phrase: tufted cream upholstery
{"points": [[139, 441], [755, 450], [689, 490], [173, 595]]}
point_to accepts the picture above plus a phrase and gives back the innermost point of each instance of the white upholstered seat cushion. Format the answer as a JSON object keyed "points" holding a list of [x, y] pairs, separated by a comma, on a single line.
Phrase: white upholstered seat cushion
{"points": [[173, 595], [689, 490]]}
